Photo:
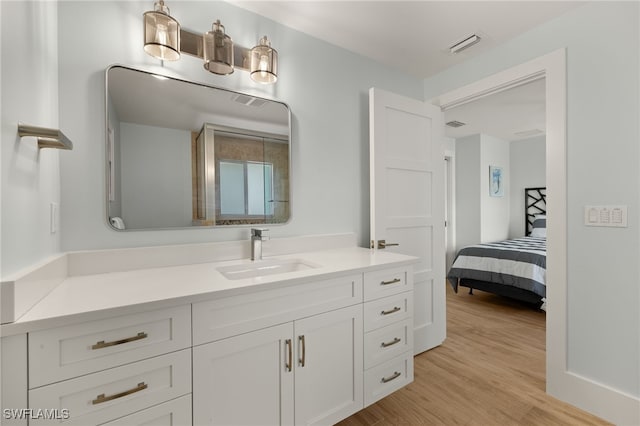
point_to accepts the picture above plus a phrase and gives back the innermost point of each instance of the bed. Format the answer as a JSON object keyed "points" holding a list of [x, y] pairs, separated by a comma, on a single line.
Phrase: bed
{"points": [[513, 268]]}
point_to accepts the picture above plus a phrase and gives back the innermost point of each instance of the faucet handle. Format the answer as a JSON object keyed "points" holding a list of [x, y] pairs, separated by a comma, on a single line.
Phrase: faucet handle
{"points": [[260, 233]]}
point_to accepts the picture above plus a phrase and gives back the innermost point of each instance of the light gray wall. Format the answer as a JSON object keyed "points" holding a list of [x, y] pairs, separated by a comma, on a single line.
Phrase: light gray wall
{"points": [[329, 107], [494, 223], [156, 176], [468, 209], [528, 170], [480, 217], [30, 178], [602, 168]]}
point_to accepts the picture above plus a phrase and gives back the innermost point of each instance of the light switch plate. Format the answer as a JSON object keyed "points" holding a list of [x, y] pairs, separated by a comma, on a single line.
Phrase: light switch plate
{"points": [[607, 216]]}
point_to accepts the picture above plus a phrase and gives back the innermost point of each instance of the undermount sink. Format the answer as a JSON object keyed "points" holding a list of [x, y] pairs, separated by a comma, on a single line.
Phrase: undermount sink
{"points": [[261, 268]]}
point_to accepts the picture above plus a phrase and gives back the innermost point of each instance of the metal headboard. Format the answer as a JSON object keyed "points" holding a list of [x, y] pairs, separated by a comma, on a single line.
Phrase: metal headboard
{"points": [[535, 202]]}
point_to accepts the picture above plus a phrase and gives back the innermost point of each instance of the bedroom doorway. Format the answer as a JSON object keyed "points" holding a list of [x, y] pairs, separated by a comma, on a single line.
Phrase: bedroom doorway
{"points": [[551, 67]]}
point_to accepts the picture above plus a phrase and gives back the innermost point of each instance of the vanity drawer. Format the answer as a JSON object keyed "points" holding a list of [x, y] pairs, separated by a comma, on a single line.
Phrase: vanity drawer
{"points": [[385, 343], [387, 282], [230, 316], [382, 312], [176, 412], [65, 352], [101, 397], [386, 378]]}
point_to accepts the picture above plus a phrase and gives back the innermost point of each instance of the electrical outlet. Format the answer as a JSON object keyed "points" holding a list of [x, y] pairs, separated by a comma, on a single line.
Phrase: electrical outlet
{"points": [[607, 216]]}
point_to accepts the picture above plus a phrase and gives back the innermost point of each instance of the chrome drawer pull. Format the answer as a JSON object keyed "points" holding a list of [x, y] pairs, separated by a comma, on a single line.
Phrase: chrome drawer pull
{"points": [[392, 377], [287, 365], [303, 357], [102, 344], [391, 343], [393, 281], [391, 311], [102, 398]]}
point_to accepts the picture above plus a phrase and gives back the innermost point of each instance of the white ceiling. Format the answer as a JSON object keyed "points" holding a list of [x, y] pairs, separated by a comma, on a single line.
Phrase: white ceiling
{"points": [[514, 114], [415, 36]]}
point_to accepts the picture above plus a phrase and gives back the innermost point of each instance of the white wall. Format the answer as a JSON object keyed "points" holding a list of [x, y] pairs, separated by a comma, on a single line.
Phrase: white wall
{"points": [[468, 209], [30, 178], [602, 168], [156, 176], [494, 221], [480, 217], [528, 170], [329, 106]]}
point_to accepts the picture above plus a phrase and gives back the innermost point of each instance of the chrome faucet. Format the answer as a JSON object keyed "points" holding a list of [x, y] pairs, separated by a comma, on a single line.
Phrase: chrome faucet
{"points": [[257, 237]]}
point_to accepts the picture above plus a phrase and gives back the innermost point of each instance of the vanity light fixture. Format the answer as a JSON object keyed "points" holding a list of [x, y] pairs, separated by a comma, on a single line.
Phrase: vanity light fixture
{"points": [[264, 62], [165, 40], [161, 33], [218, 50]]}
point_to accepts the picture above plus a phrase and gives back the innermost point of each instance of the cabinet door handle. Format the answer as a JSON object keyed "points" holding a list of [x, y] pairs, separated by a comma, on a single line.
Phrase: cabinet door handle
{"points": [[102, 398], [102, 344], [391, 343], [393, 281], [302, 350], [288, 365], [394, 376], [391, 311]]}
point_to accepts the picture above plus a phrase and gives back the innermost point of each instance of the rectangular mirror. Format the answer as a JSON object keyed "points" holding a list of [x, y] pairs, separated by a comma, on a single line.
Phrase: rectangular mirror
{"points": [[183, 154]]}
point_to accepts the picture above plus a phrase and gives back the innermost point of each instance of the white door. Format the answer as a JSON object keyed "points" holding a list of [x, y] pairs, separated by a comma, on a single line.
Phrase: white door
{"points": [[407, 200], [329, 379]]}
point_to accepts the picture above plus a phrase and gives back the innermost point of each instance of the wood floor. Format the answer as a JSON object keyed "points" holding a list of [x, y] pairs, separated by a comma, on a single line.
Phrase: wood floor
{"points": [[489, 371]]}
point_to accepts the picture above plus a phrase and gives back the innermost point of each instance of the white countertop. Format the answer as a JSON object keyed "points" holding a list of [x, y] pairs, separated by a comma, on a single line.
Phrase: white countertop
{"points": [[89, 297]]}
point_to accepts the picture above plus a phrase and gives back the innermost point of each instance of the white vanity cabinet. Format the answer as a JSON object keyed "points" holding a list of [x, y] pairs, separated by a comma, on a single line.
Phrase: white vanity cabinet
{"points": [[309, 349], [245, 379], [255, 378], [307, 370], [99, 371], [388, 337]]}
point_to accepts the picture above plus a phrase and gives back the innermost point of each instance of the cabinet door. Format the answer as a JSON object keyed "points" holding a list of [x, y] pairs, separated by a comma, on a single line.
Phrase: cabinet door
{"points": [[245, 380], [329, 375]]}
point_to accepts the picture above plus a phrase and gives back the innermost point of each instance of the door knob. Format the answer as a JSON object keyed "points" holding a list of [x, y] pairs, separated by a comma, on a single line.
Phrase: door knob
{"points": [[383, 244]]}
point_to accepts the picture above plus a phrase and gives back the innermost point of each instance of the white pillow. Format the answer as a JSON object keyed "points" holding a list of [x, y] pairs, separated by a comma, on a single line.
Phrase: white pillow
{"points": [[539, 232]]}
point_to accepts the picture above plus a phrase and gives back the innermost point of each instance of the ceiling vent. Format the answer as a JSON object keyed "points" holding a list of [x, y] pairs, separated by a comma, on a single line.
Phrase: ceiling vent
{"points": [[529, 133], [249, 100], [465, 44], [455, 123]]}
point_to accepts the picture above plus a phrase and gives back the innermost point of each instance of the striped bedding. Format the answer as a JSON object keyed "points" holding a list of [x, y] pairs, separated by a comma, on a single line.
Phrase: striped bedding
{"points": [[520, 262]]}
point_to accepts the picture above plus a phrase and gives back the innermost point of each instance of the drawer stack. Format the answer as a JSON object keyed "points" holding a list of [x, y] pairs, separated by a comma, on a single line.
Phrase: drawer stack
{"points": [[388, 332], [107, 370]]}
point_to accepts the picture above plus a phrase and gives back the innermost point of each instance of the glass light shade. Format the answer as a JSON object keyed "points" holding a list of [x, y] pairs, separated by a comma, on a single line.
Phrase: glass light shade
{"points": [[161, 33], [218, 50], [264, 62]]}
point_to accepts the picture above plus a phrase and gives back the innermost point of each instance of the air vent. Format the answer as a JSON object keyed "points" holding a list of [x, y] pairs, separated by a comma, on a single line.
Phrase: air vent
{"points": [[249, 100], [528, 133], [465, 44], [455, 123]]}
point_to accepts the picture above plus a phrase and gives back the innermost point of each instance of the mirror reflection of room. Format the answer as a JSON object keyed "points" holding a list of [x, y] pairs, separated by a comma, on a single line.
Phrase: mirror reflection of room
{"points": [[246, 182], [183, 154]]}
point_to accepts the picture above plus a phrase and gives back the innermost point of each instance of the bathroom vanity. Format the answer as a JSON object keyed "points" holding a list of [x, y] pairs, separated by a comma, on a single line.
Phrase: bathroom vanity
{"points": [[301, 337]]}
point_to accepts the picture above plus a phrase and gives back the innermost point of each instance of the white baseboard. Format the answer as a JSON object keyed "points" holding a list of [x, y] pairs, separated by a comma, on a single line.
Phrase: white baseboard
{"points": [[601, 400]]}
